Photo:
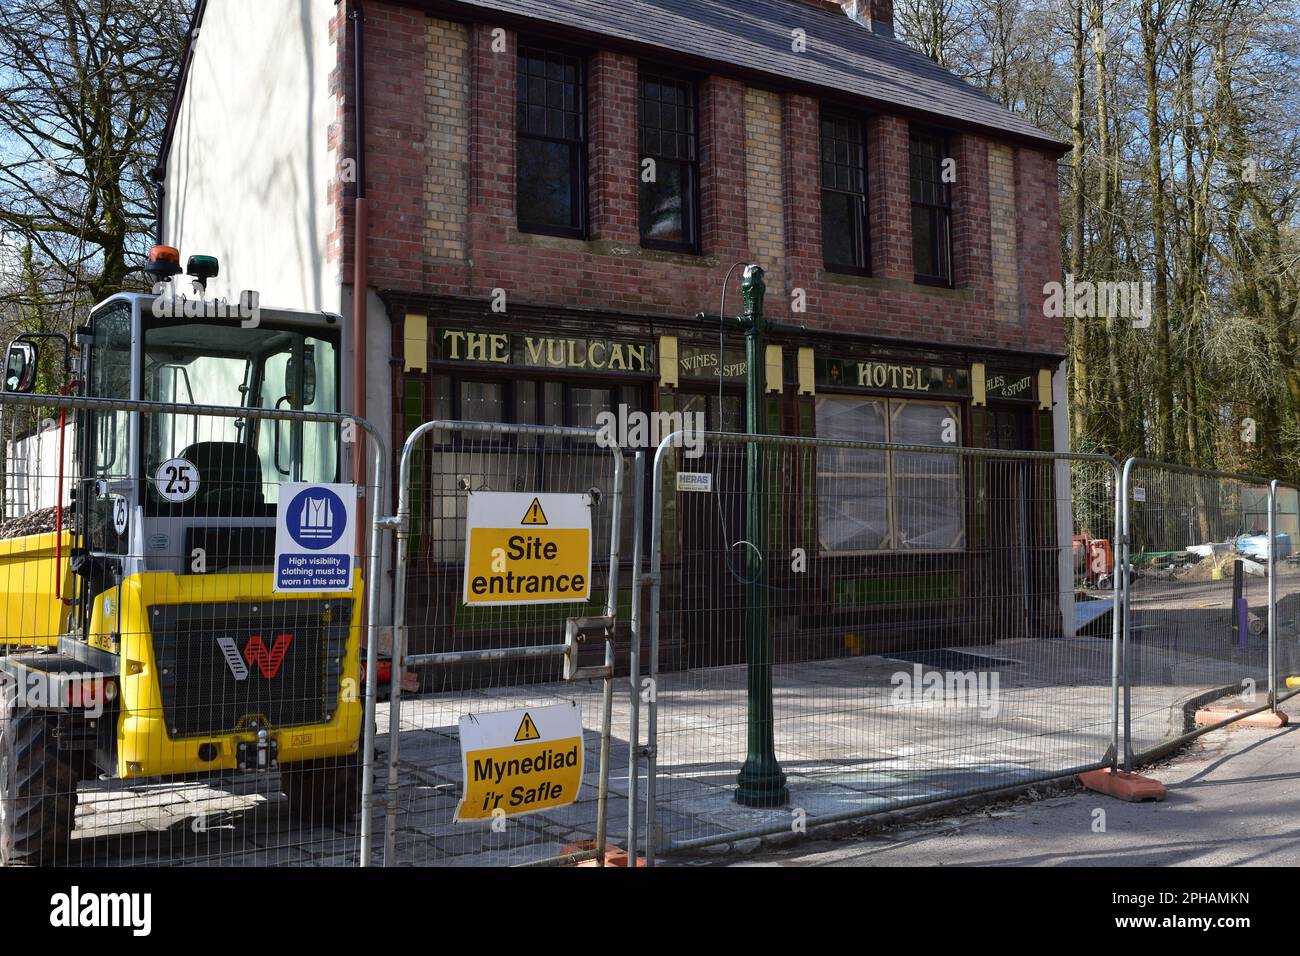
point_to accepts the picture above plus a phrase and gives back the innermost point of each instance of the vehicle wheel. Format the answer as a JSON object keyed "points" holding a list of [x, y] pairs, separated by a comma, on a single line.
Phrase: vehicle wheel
{"points": [[38, 791], [324, 792]]}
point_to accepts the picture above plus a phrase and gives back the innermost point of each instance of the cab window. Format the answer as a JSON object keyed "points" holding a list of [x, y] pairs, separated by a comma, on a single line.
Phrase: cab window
{"points": [[240, 462]]}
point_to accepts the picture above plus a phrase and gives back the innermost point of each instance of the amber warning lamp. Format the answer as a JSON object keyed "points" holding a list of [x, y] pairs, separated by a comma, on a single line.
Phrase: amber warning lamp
{"points": [[164, 262]]}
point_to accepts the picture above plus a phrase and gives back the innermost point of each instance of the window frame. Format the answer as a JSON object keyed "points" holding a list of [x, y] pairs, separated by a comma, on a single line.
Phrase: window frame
{"points": [[890, 406], [421, 394], [691, 219], [862, 222], [939, 214], [579, 164]]}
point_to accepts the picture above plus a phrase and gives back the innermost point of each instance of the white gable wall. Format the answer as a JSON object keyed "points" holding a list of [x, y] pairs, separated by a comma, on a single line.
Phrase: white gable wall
{"points": [[250, 167]]}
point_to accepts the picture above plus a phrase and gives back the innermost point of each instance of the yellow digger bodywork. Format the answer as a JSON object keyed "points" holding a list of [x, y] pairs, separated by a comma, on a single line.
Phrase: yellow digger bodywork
{"points": [[32, 614], [145, 747], [119, 624]]}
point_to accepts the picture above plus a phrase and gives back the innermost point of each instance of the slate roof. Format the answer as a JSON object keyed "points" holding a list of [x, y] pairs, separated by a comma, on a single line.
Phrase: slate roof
{"points": [[755, 36]]}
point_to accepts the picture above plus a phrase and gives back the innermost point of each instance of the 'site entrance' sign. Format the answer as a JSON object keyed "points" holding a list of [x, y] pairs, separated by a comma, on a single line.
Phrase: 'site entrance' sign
{"points": [[524, 548]]}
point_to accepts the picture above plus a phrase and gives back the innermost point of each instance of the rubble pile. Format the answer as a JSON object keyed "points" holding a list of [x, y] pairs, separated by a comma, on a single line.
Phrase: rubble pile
{"points": [[1208, 562], [1204, 567], [38, 522]]}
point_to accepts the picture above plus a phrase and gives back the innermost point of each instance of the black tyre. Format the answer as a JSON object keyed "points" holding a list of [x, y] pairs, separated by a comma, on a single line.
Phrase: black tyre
{"points": [[38, 790], [324, 792]]}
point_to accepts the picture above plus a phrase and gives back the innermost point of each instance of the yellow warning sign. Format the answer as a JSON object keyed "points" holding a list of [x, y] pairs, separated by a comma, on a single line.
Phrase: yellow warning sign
{"points": [[506, 778], [527, 729], [543, 557]]}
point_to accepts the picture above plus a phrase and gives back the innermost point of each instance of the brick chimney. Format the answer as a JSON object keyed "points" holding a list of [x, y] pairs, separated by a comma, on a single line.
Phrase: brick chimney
{"points": [[876, 15]]}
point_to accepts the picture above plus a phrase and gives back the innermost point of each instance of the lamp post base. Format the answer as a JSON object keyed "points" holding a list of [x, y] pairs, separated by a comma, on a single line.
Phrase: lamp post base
{"points": [[762, 784]]}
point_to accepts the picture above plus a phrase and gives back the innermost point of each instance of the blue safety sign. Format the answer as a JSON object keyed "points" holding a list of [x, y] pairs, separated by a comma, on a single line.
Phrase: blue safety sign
{"points": [[315, 537]]}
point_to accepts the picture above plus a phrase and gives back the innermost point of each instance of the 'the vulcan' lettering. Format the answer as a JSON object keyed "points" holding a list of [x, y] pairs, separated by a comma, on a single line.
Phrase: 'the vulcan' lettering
{"points": [[545, 352]]}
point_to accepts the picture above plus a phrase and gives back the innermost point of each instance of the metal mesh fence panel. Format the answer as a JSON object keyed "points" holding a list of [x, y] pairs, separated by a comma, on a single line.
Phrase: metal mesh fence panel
{"points": [[463, 659], [1197, 628], [1288, 587], [163, 702], [932, 622]]}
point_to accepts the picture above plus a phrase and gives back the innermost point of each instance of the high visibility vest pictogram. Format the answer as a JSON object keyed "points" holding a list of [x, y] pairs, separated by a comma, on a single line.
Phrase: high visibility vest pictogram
{"points": [[527, 730], [535, 514]]}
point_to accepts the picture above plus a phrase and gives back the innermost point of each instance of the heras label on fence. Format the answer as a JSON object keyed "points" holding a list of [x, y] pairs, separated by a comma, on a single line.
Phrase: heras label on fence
{"points": [[520, 761], [525, 548], [314, 537], [694, 481]]}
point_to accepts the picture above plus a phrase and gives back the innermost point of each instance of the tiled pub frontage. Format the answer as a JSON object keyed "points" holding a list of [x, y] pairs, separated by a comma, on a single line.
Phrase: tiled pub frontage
{"points": [[903, 551]]}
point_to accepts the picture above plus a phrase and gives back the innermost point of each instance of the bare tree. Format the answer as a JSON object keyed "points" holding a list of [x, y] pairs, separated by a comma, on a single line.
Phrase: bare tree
{"points": [[1184, 117], [84, 88]]}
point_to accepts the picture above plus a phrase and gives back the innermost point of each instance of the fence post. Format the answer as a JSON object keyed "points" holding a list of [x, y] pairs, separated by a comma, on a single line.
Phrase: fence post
{"points": [[656, 587], [374, 565], [1272, 595], [1126, 570], [607, 709], [1118, 586], [401, 523], [634, 662]]}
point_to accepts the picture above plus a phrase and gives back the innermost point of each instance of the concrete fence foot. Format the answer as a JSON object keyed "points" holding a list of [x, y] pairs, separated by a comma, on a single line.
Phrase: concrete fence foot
{"points": [[1264, 720], [1122, 785]]}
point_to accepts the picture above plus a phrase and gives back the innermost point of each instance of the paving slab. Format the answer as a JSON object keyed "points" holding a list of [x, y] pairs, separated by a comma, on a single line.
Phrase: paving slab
{"points": [[846, 740]]}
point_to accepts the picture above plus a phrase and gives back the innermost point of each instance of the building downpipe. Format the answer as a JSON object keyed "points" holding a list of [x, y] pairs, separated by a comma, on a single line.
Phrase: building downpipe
{"points": [[360, 246]]}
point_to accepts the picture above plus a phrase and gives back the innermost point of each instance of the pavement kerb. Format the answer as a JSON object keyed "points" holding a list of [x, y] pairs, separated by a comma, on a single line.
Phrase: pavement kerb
{"points": [[883, 820], [1182, 720], [1182, 716]]}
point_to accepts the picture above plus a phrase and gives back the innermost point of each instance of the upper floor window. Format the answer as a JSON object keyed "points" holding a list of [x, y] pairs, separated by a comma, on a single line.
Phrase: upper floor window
{"points": [[551, 149], [846, 245], [669, 163], [931, 210]]}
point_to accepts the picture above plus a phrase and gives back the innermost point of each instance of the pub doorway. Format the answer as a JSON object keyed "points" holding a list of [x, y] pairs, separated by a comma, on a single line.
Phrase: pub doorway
{"points": [[710, 527], [1009, 484]]}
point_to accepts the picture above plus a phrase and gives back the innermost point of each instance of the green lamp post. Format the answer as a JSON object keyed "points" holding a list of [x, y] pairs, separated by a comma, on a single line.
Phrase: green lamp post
{"points": [[761, 782]]}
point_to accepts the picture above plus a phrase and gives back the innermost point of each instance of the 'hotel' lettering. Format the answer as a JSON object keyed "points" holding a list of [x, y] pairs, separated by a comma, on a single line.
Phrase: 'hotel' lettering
{"points": [[879, 375]]}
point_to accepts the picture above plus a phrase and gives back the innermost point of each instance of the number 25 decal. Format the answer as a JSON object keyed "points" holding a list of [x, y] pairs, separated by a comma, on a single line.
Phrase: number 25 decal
{"points": [[119, 515], [177, 480]]}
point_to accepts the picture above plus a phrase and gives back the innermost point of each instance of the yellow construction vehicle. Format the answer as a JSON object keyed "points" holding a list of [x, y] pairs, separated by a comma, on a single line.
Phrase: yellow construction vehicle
{"points": [[145, 636]]}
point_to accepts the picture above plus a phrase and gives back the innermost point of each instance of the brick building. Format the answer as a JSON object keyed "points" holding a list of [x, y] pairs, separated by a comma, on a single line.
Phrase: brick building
{"points": [[520, 267]]}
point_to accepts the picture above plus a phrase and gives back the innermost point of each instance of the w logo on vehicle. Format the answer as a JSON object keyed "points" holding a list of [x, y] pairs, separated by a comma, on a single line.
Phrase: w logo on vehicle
{"points": [[255, 654]]}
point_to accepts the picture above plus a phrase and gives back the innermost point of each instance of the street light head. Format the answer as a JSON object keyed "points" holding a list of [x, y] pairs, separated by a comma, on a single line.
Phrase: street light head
{"points": [[752, 290]]}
